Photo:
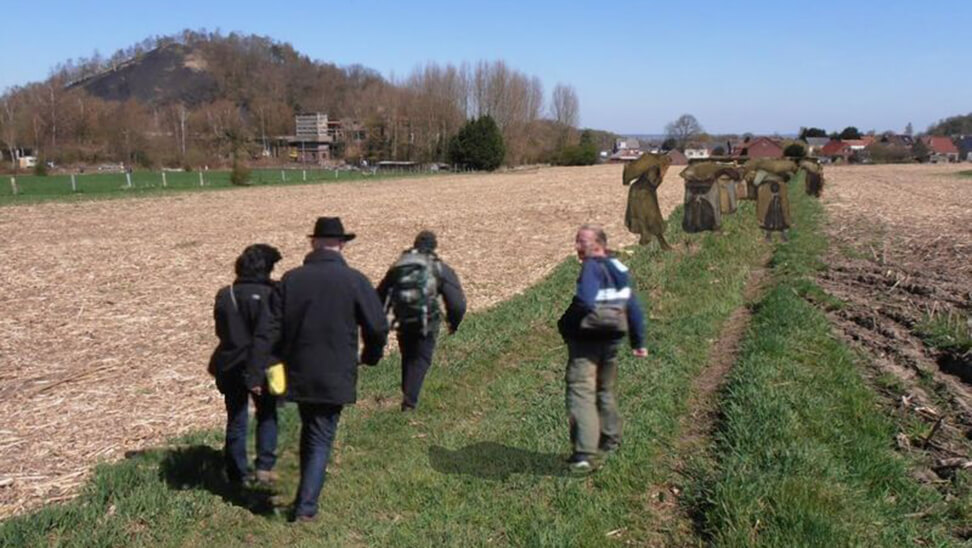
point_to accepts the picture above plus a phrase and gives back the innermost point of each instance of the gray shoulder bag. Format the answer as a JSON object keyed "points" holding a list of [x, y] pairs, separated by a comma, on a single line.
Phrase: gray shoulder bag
{"points": [[606, 318]]}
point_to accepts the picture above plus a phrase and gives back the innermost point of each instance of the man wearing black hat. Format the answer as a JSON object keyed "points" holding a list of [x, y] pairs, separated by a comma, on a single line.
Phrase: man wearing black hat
{"points": [[411, 290], [316, 315]]}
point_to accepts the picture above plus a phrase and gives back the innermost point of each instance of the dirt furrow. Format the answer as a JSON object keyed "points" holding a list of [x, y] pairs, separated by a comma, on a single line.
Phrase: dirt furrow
{"points": [[698, 423]]}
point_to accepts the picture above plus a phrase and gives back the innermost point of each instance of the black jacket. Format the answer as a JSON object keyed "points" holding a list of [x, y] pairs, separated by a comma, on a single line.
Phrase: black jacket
{"points": [[233, 358], [315, 315]]}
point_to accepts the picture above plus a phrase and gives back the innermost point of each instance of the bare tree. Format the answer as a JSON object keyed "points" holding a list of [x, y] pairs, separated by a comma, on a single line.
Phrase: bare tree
{"points": [[564, 106], [683, 130], [8, 126], [565, 109]]}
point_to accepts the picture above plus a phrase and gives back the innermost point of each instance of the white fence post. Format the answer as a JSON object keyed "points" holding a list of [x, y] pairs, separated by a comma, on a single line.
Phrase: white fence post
{"points": [[74, 184], [283, 175], [128, 178], [335, 174], [305, 174], [200, 179], [13, 185], [163, 180]]}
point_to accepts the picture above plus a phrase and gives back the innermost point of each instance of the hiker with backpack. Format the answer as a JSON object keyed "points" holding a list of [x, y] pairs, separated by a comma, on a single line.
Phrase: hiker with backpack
{"points": [[603, 311], [411, 291], [239, 310]]}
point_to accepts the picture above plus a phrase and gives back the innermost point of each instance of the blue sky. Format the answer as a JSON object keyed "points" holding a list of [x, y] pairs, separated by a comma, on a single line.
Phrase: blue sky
{"points": [[759, 66]]}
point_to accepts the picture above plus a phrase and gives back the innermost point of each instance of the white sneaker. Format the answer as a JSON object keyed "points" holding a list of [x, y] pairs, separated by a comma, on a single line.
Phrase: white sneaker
{"points": [[581, 466]]}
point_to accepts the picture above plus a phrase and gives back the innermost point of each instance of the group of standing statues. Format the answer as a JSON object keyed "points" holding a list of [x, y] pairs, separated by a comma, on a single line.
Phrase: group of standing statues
{"points": [[712, 190]]}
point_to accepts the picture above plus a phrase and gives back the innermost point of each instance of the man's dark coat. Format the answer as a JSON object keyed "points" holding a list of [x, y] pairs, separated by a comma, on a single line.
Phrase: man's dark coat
{"points": [[315, 315]]}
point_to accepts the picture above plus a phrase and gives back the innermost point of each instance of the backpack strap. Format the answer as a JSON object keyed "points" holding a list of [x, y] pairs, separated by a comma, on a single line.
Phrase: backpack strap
{"points": [[232, 292]]}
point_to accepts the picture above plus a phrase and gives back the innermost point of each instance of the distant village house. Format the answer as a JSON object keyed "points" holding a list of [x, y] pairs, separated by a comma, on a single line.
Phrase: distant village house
{"points": [[696, 151], [760, 147], [941, 149]]}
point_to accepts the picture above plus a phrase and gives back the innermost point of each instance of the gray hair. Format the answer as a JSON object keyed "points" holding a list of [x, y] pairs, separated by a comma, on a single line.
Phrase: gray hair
{"points": [[599, 235]]}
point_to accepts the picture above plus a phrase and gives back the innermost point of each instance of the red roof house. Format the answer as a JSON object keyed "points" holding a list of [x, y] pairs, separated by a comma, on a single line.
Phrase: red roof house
{"points": [[761, 147], [836, 150], [941, 148], [678, 159]]}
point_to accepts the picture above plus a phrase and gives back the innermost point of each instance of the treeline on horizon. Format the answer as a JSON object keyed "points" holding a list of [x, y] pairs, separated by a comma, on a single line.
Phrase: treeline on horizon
{"points": [[252, 87]]}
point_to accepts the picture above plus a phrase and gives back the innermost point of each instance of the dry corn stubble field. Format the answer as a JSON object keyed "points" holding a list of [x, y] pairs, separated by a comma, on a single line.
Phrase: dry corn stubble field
{"points": [[902, 252], [106, 318]]}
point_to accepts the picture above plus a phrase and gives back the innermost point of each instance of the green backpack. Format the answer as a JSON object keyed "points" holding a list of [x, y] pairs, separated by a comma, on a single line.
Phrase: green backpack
{"points": [[414, 290]]}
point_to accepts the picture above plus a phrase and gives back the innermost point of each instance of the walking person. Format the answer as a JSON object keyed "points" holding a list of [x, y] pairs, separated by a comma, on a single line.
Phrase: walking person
{"points": [[411, 290], [318, 312], [603, 311], [238, 311]]}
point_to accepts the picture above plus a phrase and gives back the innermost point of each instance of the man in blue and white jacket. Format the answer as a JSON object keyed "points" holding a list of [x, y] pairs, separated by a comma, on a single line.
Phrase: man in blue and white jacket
{"points": [[592, 364]]}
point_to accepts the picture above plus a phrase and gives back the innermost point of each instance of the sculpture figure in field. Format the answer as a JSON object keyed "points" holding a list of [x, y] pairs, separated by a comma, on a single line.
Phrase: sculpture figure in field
{"points": [[728, 197], [772, 203], [703, 208], [780, 167], [643, 216], [813, 180]]}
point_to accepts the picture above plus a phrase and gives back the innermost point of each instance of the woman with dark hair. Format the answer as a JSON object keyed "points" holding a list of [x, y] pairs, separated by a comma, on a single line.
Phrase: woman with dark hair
{"points": [[238, 310]]}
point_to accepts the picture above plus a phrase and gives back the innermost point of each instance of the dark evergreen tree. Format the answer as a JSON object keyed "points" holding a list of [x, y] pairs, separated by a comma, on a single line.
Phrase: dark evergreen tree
{"points": [[811, 132], [582, 154], [478, 145], [920, 151], [795, 150]]}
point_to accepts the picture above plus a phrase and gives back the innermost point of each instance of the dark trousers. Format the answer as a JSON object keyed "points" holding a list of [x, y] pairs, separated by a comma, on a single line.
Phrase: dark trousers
{"points": [[416, 353], [237, 397], [318, 426]]}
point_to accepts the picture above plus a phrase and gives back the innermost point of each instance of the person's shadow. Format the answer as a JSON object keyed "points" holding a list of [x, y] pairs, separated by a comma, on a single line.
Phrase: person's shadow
{"points": [[494, 461], [201, 467]]}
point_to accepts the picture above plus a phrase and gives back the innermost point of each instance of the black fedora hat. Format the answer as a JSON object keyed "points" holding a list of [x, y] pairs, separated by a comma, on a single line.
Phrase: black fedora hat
{"points": [[330, 227]]}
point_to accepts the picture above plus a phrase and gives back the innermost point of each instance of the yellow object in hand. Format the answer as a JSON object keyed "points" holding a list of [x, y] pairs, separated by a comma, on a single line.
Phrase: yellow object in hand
{"points": [[276, 379]]}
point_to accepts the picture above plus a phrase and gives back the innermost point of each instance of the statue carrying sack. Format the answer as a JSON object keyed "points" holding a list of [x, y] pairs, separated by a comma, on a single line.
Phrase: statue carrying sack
{"points": [[813, 180], [784, 169], [703, 210], [728, 201], [643, 216], [772, 202]]}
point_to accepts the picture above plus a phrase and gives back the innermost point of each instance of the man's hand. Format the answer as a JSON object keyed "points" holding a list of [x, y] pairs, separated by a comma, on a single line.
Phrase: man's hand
{"points": [[640, 352], [257, 390]]}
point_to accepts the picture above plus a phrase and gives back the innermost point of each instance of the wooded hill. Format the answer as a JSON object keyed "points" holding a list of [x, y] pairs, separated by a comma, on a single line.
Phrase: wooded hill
{"points": [[192, 99], [953, 126]]}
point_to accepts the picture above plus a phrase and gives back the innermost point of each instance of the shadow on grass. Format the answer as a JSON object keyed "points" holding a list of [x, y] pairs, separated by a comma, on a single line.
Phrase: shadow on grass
{"points": [[201, 467], [494, 461]]}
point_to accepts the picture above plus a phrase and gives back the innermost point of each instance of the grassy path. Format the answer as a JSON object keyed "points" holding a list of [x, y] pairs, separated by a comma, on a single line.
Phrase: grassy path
{"points": [[481, 462], [804, 454]]}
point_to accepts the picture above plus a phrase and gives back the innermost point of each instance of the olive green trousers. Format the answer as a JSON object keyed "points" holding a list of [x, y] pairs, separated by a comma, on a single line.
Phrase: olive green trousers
{"points": [[592, 371]]}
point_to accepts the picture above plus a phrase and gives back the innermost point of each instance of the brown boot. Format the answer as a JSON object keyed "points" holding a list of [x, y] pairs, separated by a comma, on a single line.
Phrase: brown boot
{"points": [[266, 477]]}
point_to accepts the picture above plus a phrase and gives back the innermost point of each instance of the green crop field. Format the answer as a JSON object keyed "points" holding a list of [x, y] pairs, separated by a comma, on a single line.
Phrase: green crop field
{"points": [[33, 188]]}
